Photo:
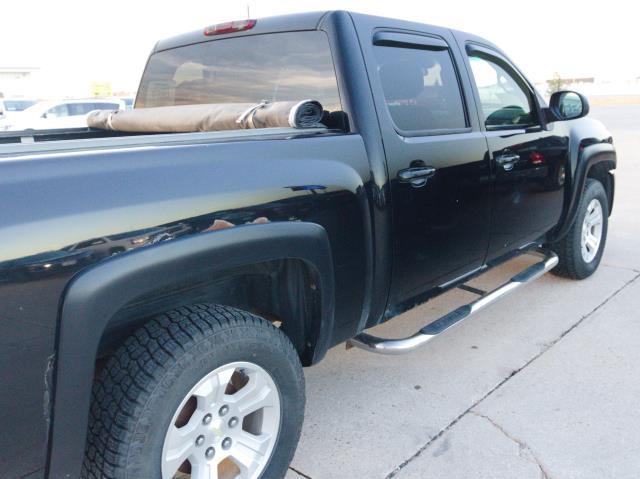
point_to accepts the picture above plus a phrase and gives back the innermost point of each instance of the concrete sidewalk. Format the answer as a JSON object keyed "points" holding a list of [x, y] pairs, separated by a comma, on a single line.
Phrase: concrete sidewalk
{"points": [[544, 384]]}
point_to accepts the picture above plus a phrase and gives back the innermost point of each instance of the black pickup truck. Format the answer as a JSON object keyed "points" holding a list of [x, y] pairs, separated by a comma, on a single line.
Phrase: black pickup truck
{"points": [[160, 293]]}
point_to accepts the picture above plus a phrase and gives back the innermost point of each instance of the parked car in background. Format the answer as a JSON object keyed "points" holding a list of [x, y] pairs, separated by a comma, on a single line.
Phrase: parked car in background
{"points": [[106, 246], [15, 105], [11, 106], [48, 115]]}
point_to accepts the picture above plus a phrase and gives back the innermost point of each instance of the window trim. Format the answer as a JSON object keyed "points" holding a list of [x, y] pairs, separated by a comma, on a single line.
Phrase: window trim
{"points": [[481, 51], [420, 41]]}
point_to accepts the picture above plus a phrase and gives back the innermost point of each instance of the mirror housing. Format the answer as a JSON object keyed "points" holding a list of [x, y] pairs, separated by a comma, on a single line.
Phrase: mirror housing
{"points": [[567, 105]]}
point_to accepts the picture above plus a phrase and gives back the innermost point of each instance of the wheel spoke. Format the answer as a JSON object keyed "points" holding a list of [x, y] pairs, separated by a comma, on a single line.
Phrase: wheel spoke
{"points": [[206, 394], [212, 391], [256, 394], [204, 470], [257, 443], [223, 381], [245, 456], [594, 217], [179, 439], [592, 230], [178, 446]]}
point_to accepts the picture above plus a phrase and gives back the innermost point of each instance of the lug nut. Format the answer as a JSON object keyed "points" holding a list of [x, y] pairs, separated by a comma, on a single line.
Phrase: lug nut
{"points": [[207, 419], [199, 440], [209, 453], [224, 410], [233, 422], [226, 443]]}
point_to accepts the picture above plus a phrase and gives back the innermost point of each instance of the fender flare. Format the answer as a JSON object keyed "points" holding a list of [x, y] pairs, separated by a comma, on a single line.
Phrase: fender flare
{"points": [[590, 156], [93, 297]]}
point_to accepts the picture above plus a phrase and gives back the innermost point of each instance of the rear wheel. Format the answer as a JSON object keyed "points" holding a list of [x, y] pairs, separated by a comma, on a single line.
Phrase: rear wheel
{"points": [[580, 251], [202, 392]]}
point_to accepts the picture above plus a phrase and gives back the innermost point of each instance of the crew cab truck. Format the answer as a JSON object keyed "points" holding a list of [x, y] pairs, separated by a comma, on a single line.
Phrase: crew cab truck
{"points": [[243, 256]]}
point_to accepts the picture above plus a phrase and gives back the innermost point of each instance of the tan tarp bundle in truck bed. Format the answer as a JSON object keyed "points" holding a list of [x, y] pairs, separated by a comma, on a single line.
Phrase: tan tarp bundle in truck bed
{"points": [[209, 117]]}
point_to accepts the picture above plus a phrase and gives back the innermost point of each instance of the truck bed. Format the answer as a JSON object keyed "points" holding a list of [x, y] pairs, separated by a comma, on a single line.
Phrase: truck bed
{"points": [[18, 143]]}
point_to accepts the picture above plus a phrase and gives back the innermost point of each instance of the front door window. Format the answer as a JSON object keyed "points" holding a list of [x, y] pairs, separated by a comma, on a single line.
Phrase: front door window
{"points": [[504, 98]]}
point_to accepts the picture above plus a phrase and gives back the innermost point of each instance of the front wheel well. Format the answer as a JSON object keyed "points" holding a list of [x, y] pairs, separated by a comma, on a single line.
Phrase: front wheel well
{"points": [[603, 173]]}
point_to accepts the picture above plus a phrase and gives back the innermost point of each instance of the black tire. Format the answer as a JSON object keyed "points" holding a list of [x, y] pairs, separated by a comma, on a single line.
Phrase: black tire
{"points": [[572, 265], [142, 385]]}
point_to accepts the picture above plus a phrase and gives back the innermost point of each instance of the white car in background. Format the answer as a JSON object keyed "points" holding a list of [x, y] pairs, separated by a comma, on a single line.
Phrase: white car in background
{"points": [[11, 106], [49, 115]]}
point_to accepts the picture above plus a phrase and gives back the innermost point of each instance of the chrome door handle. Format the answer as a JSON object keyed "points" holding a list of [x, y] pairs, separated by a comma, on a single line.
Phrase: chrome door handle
{"points": [[507, 160], [417, 175]]}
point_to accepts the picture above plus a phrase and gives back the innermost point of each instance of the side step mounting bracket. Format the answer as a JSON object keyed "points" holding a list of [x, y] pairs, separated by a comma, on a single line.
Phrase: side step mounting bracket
{"points": [[548, 260]]}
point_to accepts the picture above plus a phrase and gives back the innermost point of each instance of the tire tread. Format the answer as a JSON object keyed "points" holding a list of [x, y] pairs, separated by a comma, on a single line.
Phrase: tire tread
{"points": [[568, 248], [130, 376]]}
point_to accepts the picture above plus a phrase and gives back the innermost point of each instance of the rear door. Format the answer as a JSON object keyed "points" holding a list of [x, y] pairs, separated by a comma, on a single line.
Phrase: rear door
{"points": [[528, 159], [437, 160]]}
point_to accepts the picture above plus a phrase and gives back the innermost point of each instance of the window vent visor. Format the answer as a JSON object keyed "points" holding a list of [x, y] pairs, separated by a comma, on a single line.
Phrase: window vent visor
{"points": [[392, 39]]}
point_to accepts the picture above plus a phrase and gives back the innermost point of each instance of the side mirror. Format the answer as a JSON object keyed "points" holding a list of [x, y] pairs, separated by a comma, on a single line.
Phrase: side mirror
{"points": [[567, 105]]}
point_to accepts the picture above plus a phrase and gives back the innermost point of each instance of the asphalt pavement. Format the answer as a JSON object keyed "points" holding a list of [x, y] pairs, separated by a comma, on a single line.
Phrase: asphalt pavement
{"points": [[544, 384]]}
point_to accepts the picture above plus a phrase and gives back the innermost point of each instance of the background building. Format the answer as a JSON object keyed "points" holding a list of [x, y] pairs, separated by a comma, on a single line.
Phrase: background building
{"points": [[18, 81]]}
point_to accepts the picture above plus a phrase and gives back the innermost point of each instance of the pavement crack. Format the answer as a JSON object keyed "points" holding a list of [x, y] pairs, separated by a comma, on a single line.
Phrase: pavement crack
{"points": [[301, 474], [625, 268], [506, 379], [524, 451]]}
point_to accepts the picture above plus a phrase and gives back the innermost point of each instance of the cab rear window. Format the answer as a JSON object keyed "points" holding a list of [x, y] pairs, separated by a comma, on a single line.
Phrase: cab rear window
{"points": [[249, 69]]}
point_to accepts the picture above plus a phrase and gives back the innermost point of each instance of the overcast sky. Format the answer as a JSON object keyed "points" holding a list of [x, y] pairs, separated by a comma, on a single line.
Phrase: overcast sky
{"points": [[75, 41]]}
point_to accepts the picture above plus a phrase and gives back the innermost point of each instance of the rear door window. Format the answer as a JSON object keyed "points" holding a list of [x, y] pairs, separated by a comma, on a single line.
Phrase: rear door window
{"points": [[77, 109], [421, 89], [58, 111]]}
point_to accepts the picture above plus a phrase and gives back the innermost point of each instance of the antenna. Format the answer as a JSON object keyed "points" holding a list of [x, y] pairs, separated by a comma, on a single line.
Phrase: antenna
{"points": [[248, 12]]}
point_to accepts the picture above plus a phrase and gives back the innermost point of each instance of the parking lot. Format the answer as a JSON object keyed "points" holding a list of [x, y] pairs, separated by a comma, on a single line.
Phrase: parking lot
{"points": [[544, 384]]}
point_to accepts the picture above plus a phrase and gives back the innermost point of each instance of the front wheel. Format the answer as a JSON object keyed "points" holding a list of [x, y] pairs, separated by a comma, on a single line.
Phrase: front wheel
{"points": [[201, 392], [580, 251]]}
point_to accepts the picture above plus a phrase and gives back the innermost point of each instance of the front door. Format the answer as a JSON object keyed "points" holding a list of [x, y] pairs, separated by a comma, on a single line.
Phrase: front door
{"points": [[528, 161], [437, 161]]}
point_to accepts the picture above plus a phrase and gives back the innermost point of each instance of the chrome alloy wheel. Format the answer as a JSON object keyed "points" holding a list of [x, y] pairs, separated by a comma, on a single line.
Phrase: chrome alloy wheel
{"points": [[226, 427], [591, 231]]}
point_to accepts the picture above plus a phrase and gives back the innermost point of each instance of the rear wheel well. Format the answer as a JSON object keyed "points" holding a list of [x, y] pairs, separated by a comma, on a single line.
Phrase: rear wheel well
{"points": [[285, 292]]}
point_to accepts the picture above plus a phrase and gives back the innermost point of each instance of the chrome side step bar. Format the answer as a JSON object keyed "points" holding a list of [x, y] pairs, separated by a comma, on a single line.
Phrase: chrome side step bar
{"points": [[404, 345]]}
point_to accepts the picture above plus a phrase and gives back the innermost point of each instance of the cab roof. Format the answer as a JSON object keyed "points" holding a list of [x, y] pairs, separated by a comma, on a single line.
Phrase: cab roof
{"points": [[280, 23], [300, 21]]}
